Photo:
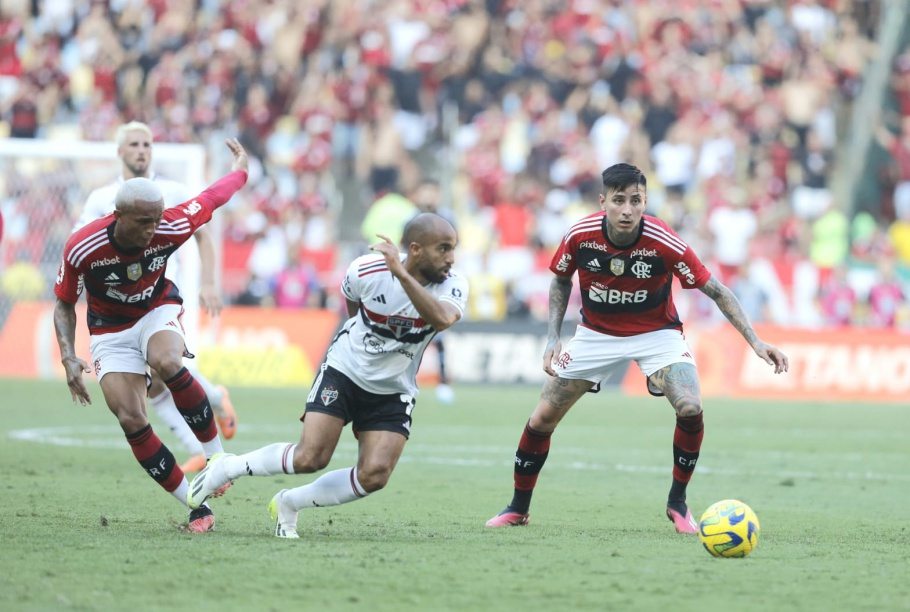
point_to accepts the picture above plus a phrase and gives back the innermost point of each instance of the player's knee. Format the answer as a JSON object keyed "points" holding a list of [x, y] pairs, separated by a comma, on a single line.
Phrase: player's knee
{"points": [[306, 462], [168, 366], [373, 477], [688, 409]]}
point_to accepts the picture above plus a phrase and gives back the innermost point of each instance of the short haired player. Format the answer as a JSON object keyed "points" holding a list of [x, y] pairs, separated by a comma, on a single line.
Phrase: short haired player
{"points": [[626, 262], [397, 304], [192, 270], [134, 317]]}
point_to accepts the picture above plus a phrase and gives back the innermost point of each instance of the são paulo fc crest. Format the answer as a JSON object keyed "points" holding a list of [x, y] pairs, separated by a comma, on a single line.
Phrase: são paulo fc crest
{"points": [[328, 395], [617, 266], [134, 271]]}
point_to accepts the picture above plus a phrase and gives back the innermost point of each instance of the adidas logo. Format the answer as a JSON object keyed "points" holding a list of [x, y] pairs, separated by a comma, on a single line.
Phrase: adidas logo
{"points": [[594, 265], [112, 277], [379, 298]]}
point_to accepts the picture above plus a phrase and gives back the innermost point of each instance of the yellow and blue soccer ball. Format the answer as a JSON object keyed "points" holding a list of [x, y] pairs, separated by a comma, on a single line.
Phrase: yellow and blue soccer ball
{"points": [[729, 528]]}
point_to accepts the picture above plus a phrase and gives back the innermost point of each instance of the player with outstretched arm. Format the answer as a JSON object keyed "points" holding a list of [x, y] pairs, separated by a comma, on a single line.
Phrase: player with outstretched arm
{"points": [[134, 317]]}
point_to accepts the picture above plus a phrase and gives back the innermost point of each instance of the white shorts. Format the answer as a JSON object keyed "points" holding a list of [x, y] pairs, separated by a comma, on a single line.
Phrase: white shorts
{"points": [[595, 357], [127, 350]]}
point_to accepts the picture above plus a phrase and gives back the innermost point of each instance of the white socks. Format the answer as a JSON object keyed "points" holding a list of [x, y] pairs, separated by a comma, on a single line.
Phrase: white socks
{"points": [[181, 491], [330, 489], [273, 459], [167, 412]]}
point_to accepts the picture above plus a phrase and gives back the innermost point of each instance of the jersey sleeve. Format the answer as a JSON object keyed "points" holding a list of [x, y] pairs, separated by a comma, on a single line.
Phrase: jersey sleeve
{"points": [[455, 292], [563, 262], [69, 284], [350, 285], [182, 220], [690, 271]]}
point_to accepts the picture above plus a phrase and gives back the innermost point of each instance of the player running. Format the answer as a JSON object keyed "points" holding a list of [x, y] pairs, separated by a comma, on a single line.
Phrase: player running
{"points": [[397, 304], [625, 261], [192, 270], [134, 317]]}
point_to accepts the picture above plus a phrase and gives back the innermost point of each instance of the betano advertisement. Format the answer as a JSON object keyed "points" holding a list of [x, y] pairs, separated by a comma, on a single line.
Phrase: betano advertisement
{"points": [[262, 347]]}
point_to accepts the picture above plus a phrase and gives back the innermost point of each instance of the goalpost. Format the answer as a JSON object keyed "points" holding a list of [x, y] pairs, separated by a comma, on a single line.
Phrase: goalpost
{"points": [[43, 187]]}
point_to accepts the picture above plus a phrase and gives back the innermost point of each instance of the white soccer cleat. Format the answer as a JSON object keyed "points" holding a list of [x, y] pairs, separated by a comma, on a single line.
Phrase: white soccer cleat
{"points": [[209, 482], [285, 517]]}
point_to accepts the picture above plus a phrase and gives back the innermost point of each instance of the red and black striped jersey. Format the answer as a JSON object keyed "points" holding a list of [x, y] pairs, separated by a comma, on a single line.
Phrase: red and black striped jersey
{"points": [[122, 285], [628, 290]]}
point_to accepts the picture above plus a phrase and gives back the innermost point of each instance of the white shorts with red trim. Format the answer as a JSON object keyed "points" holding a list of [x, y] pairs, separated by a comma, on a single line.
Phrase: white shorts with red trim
{"points": [[593, 356], [127, 350]]}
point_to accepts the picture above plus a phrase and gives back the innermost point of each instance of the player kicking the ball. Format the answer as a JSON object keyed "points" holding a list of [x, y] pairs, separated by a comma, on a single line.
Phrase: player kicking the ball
{"points": [[397, 304], [625, 261], [134, 317]]}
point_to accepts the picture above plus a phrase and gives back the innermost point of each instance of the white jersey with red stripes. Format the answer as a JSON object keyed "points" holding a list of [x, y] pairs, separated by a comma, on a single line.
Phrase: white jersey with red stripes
{"points": [[381, 346], [628, 290]]}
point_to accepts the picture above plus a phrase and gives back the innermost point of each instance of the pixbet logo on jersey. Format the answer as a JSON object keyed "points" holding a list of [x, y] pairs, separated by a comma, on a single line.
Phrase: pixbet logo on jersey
{"points": [[107, 261]]}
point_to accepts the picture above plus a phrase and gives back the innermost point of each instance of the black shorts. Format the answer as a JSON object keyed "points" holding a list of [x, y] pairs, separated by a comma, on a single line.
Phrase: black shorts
{"points": [[336, 394]]}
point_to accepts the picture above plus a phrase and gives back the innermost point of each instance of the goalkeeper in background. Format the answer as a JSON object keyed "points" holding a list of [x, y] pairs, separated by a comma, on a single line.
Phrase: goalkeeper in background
{"points": [[191, 270]]}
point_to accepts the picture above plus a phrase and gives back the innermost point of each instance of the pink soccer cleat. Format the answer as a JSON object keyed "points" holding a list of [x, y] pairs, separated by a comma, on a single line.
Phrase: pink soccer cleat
{"points": [[507, 518], [683, 523], [202, 519]]}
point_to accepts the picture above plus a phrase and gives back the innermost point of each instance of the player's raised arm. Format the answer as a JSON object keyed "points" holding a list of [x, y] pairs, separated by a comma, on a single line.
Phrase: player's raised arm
{"points": [[241, 161]]}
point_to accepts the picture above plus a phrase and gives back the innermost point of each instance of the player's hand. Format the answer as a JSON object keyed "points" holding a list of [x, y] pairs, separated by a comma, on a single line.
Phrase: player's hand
{"points": [[210, 300], [241, 162], [391, 253], [772, 356], [553, 349], [75, 367]]}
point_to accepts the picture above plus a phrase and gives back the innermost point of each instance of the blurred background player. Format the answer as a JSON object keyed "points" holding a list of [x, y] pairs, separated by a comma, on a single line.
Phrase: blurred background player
{"points": [[133, 317], [192, 270]]}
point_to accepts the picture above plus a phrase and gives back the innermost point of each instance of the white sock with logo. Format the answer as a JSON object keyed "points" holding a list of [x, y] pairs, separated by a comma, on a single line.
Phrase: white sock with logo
{"points": [[330, 489], [269, 460], [167, 411]]}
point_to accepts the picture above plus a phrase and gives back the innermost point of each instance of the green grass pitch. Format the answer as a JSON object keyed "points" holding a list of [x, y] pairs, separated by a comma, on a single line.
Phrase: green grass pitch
{"points": [[82, 527]]}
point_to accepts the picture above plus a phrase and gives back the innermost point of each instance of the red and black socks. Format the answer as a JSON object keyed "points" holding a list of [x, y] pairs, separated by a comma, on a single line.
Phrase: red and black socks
{"points": [[532, 452]]}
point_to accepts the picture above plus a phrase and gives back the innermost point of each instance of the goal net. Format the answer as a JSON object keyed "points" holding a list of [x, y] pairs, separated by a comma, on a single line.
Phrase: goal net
{"points": [[43, 187]]}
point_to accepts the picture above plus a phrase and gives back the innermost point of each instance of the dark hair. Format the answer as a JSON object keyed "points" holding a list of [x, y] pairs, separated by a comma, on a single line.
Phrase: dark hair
{"points": [[620, 176]]}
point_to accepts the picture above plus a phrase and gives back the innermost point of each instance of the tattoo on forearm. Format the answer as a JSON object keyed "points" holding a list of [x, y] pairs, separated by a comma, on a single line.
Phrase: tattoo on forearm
{"points": [[560, 291], [728, 304]]}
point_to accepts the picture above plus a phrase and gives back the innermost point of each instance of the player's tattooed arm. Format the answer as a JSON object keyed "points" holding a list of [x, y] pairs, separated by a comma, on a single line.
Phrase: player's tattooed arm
{"points": [[65, 328], [728, 304], [560, 290]]}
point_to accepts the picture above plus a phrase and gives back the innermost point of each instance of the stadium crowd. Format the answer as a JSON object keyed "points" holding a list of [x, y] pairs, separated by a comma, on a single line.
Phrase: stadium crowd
{"points": [[511, 108]]}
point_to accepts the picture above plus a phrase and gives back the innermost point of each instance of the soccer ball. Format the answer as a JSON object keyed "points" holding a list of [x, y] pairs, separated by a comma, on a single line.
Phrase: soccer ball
{"points": [[729, 528]]}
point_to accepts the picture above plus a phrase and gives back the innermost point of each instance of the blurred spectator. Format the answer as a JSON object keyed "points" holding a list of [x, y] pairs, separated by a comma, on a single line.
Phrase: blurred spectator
{"points": [[837, 300], [297, 285], [886, 297]]}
